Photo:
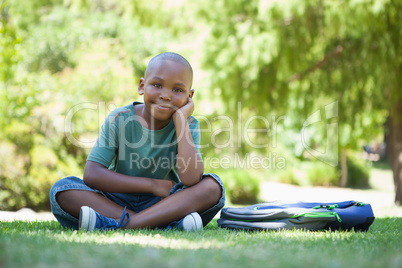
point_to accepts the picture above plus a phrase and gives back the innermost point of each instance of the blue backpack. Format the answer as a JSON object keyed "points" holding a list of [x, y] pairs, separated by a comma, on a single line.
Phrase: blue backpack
{"points": [[301, 215]]}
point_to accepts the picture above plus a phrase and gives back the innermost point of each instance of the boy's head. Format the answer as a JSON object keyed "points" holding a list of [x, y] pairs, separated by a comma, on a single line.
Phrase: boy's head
{"points": [[166, 85], [169, 56]]}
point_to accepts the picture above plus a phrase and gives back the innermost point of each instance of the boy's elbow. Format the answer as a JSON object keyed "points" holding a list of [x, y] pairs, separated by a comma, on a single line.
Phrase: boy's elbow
{"points": [[88, 177], [191, 180], [90, 173]]}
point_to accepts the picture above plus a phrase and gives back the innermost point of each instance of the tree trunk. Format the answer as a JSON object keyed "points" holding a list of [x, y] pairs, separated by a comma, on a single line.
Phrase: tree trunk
{"points": [[394, 144], [344, 168]]}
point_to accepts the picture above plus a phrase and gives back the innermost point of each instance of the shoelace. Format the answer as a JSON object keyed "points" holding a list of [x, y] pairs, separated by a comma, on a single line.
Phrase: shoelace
{"points": [[173, 225], [120, 225], [108, 223]]}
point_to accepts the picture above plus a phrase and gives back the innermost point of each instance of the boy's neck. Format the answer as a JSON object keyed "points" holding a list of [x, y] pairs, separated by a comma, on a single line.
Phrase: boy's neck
{"points": [[148, 123]]}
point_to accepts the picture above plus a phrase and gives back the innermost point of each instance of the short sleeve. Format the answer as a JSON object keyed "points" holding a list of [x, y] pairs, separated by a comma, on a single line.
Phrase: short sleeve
{"points": [[195, 132], [106, 146]]}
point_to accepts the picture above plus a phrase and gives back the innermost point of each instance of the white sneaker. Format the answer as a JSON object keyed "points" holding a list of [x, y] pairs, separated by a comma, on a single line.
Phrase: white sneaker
{"points": [[87, 220], [192, 222], [90, 220]]}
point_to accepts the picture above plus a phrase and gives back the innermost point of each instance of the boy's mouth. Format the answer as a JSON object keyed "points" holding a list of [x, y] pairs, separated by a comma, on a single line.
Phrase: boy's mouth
{"points": [[164, 107]]}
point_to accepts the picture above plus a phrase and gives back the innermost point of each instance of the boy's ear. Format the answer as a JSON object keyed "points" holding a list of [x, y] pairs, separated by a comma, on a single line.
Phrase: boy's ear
{"points": [[141, 86], [191, 93]]}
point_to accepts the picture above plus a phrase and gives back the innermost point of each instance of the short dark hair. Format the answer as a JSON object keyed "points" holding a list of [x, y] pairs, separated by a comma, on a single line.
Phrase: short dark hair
{"points": [[173, 57]]}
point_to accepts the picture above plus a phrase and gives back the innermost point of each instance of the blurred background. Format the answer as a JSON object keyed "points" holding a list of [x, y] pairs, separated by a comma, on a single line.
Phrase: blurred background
{"points": [[297, 92]]}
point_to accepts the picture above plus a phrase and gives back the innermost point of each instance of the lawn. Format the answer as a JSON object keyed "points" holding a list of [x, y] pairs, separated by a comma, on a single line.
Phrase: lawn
{"points": [[46, 244]]}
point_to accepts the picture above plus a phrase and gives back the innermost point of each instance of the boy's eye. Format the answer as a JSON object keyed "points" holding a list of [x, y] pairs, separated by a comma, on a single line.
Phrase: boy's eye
{"points": [[178, 90], [157, 85]]}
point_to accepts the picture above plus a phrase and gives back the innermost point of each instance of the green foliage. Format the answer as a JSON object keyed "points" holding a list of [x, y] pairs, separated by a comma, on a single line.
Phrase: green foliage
{"points": [[288, 176], [321, 174], [242, 186], [9, 40], [28, 13], [49, 47], [358, 172], [295, 57], [25, 179]]}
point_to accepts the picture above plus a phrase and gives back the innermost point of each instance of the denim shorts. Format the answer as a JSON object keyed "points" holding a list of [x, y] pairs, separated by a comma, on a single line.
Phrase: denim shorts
{"points": [[134, 202]]}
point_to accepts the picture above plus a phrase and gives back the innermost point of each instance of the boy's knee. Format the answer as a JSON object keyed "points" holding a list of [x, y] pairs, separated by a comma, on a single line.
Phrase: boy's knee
{"points": [[56, 186], [214, 191], [61, 185], [212, 187], [212, 182], [215, 178]]}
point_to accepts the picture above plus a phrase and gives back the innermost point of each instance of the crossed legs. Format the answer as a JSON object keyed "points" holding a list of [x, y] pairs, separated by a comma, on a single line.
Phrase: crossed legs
{"points": [[197, 198]]}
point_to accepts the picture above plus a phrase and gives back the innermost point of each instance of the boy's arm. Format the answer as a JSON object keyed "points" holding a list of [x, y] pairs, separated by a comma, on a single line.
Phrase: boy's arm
{"points": [[190, 166], [99, 177]]}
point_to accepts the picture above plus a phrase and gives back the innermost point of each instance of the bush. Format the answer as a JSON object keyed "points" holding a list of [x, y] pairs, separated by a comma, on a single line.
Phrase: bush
{"points": [[321, 174], [50, 44], [241, 186], [288, 176], [25, 179], [12, 169], [358, 172]]}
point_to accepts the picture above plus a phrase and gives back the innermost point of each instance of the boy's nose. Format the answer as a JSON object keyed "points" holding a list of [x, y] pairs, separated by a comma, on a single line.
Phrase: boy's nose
{"points": [[165, 94]]}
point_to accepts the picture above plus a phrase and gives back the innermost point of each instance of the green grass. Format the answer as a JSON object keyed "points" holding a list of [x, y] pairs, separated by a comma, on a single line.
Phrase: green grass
{"points": [[46, 244]]}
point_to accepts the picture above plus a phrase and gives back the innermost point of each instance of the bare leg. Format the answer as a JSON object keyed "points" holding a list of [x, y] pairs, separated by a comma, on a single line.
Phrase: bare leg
{"points": [[71, 201], [197, 198]]}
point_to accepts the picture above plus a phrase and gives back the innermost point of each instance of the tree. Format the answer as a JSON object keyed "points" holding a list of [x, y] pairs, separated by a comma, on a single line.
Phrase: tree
{"points": [[300, 55]]}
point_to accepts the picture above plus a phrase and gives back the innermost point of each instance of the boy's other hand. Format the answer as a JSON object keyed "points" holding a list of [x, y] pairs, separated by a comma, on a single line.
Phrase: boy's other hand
{"points": [[162, 188], [186, 110]]}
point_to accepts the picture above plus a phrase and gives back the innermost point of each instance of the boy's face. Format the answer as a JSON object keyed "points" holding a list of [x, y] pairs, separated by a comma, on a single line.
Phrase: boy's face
{"points": [[166, 88]]}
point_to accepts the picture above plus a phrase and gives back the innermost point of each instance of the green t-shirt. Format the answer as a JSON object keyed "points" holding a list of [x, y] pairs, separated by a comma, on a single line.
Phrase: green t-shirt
{"points": [[126, 147]]}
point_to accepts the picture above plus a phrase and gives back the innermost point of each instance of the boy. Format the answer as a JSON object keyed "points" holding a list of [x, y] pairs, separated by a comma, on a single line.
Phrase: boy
{"points": [[145, 170]]}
